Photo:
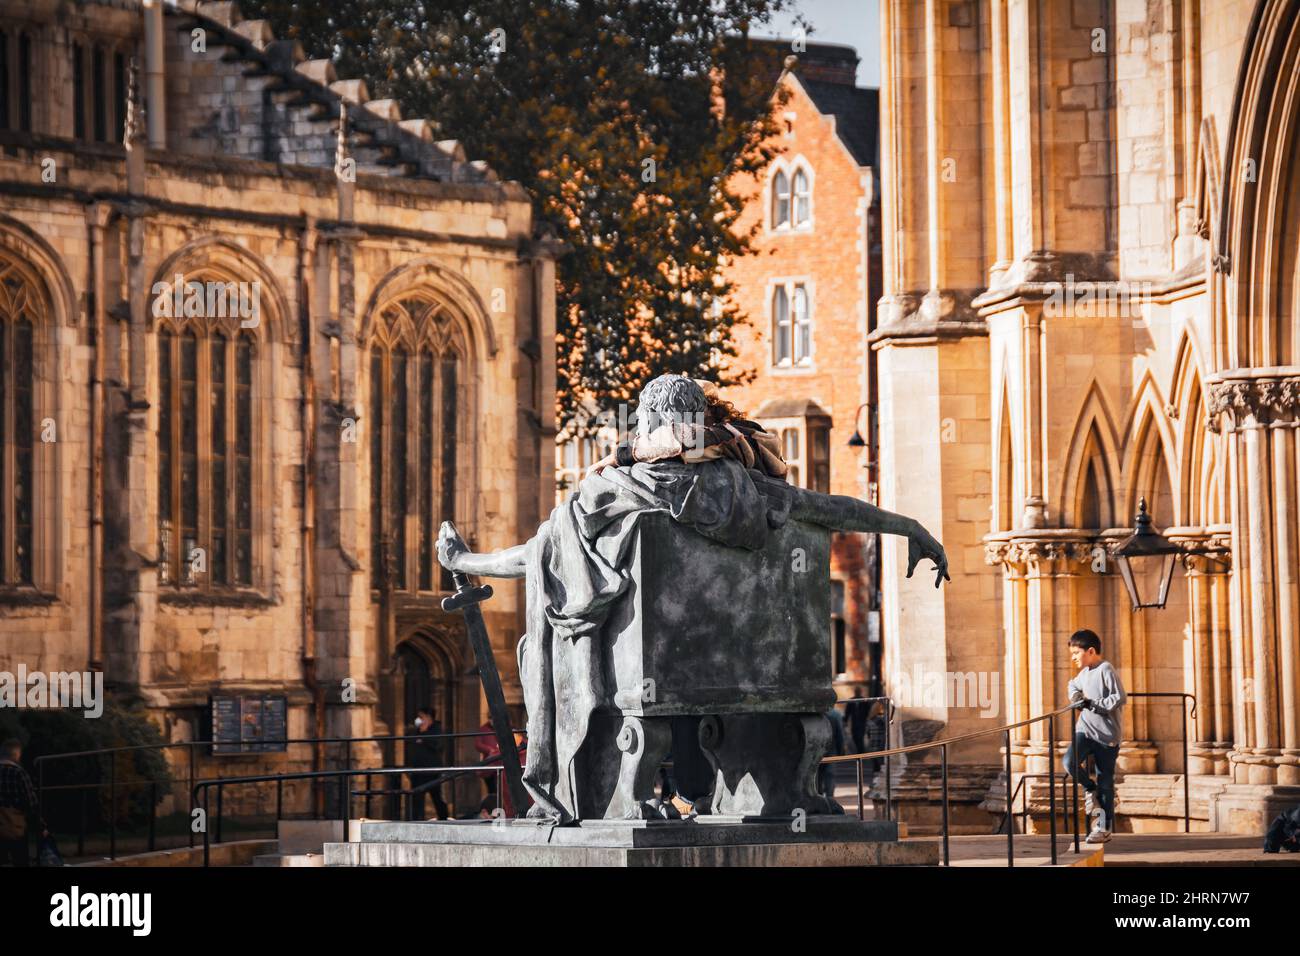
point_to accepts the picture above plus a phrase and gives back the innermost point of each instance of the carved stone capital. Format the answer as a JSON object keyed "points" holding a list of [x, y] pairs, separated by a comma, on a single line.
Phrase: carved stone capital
{"points": [[1263, 400], [1038, 548]]}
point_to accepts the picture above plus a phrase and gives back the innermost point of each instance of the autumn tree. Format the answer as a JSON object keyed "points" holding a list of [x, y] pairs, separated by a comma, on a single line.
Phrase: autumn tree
{"points": [[624, 120]]}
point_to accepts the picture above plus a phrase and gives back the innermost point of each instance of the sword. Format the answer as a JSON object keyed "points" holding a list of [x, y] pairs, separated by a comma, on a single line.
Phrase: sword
{"points": [[466, 599]]}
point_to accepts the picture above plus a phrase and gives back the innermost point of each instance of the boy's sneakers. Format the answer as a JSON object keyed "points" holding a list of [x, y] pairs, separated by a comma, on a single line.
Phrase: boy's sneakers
{"points": [[1098, 836]]}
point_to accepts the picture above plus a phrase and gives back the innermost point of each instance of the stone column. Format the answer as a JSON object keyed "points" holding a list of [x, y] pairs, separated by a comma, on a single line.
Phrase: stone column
{"points": [[1259, 408], [1206, 670], [1050, 568], [1016, 640], [1038, 573], [1221, 668], [1283, 436]]}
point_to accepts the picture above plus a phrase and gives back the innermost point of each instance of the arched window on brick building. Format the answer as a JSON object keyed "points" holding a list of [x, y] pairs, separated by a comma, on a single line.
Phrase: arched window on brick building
{"points": [[792, 332], [780, 199], [416, 364], [802, 198]]}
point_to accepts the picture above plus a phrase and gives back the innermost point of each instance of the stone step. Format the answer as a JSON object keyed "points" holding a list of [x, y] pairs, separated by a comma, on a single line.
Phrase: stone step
{"points": [[908, 853], [290, 859]]}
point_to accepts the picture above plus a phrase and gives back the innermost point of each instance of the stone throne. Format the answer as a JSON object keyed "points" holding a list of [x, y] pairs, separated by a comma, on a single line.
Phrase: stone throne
{"points": [[719, 650]]}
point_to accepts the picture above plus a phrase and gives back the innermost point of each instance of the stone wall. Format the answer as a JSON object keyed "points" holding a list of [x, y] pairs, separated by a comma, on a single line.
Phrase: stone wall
{"points": [[327, 255]]}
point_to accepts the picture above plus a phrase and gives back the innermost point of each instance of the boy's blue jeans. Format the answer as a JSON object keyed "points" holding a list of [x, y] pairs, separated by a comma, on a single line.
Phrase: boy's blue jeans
{"points": [[1104, 786]]}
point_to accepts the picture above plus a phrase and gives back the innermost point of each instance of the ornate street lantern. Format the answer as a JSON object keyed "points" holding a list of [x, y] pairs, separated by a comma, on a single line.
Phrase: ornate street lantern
{"points": [[1141, 554]]}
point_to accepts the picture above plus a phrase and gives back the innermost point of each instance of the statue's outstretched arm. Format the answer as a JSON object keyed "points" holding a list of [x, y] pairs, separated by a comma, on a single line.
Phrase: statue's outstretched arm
{"points": [[454, 555], [842, 513]]}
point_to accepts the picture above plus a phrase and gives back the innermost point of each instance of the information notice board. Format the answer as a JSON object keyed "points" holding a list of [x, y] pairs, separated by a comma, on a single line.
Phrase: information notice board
{"points": [[249, 724]]}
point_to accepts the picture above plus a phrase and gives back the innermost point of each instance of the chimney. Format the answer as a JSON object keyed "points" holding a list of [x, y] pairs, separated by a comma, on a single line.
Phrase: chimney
{"points": [[828, 63]]}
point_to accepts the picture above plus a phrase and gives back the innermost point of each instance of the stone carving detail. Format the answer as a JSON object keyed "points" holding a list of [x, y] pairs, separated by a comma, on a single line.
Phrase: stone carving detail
{"points": [[1026, 550], [1264, 400]]}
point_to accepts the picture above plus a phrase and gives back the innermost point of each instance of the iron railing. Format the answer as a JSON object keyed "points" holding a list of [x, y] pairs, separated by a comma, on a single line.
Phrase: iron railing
{"points": [[1022, 789], [943, 746], [115, 787], [345, 796]]}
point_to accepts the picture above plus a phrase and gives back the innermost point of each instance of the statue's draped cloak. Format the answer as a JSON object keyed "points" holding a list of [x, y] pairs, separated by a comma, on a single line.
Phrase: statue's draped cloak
{"points": [[578, 568]]}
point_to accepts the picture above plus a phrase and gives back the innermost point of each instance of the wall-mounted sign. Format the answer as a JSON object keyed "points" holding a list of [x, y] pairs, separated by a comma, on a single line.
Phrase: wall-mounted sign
{"points": [[249, 724]]}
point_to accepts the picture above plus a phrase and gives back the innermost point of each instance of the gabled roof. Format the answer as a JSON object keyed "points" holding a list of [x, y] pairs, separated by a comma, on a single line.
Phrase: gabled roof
{"points": [[857, 116]]}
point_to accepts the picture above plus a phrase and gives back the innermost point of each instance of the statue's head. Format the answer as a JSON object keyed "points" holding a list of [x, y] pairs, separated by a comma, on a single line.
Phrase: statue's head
{"points": [[670, 398]]}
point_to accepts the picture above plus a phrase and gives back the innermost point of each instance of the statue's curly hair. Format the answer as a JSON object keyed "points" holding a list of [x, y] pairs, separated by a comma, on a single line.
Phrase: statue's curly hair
{"points": [[673, 398], [720, 410], [680, 398]]}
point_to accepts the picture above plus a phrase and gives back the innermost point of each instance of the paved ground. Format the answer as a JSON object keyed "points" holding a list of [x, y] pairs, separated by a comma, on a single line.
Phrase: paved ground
{"points": [[1124, 849]]}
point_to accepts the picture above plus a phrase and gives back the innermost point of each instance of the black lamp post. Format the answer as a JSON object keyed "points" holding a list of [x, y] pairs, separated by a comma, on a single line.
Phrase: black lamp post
{"points": [[1143, 551], [857, 441]]}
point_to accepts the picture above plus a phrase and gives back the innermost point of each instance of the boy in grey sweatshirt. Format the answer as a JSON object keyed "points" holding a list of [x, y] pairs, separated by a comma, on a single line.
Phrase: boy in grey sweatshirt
{"points": [[1098, 694]]}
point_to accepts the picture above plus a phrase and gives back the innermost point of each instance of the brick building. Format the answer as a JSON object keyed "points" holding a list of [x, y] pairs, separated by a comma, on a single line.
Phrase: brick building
{"points": [[809, 294], [249, 365]]}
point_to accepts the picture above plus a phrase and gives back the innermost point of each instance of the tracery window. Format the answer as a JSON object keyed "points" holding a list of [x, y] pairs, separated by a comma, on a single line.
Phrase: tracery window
{"points": [[21, 311], [206, 448], [416, 373]]}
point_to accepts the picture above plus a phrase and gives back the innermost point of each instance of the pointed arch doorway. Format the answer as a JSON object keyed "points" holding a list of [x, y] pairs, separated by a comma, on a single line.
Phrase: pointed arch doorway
{"points": [[435, 670]]}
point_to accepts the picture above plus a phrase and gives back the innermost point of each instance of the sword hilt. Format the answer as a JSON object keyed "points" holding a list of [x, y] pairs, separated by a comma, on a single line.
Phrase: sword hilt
{"points": [[466, 593]]}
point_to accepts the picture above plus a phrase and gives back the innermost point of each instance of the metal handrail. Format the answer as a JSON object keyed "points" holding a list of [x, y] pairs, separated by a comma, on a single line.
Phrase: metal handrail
{"points": [[1022, 787], [1187, 773], [943, 746], [112, 784], [1051, 774], [345, 795]]}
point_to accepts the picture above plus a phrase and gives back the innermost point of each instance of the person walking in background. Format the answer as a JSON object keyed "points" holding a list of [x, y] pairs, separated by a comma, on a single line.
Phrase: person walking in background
{"points": [[877, 734], [18, 805], [855, 716], [426, 752], [1098, 695]]}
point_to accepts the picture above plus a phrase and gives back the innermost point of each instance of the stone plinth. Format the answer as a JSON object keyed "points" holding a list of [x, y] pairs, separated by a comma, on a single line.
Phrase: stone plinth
{"points": [[713, 841], [676, 648]]}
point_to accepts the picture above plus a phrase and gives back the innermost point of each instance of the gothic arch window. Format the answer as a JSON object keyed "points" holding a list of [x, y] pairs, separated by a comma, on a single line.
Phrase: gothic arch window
{"points": [[208, 389], [416, 364], [790, 190], [792, 332], [780, 199], [22, 311], [802, 198]]}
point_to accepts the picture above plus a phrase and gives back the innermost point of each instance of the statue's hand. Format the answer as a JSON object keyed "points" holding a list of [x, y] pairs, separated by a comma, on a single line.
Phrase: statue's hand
{"points": [[450, 547], [921, 544], [609, 461]]}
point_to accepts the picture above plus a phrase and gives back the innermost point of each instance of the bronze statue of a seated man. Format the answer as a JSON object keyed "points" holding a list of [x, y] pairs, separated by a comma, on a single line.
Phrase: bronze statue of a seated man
{"points": [[578, 571]]}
